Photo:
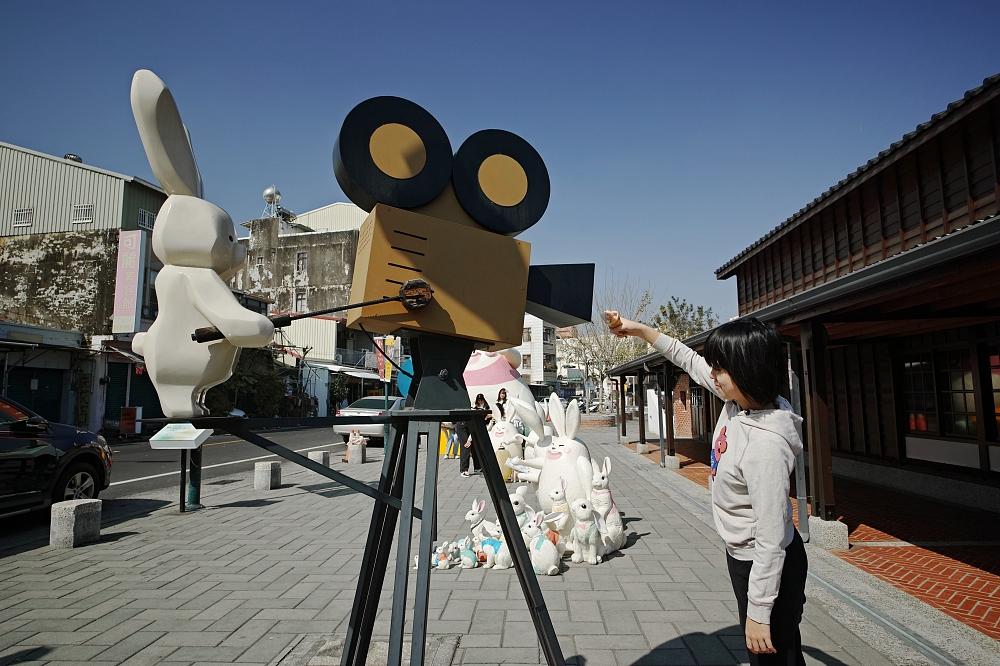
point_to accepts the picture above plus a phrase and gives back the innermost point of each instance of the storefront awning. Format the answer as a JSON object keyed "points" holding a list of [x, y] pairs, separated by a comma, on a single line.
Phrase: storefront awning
{"points": [[361, 374]]}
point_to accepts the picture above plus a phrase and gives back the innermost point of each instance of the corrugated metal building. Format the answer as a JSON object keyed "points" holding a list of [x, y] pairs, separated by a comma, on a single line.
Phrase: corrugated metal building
{"points": [[42, 193], [335, 217]]}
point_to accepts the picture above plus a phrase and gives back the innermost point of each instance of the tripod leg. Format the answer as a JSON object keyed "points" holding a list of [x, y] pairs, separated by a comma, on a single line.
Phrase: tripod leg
{"points": [[515, 543], [403, 547], [376, 557], [427, 536]]}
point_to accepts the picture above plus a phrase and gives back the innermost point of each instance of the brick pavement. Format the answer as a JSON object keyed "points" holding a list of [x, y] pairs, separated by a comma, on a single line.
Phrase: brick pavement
{"points": [[248, 578]]}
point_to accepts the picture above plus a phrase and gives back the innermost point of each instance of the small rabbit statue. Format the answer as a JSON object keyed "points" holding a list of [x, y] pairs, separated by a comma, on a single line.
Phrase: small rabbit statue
{"points": [[497, 554], [566, 457], [467, 554], [455, 552], [481, 528], [517, 500], [589, 527], [604, 504], [560, 511], [441, 559], [545, 556], [506, 441], [196, 241]]}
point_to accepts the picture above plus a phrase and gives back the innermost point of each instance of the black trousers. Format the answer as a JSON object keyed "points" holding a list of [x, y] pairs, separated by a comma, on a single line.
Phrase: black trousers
{"points": [[787, 611], [465, 454]]}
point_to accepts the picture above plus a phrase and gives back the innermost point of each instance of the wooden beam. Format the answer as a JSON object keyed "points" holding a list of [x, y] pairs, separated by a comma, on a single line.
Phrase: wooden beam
{"points": [[993, 155], [899, 211], [944, 202], [813, 337], [971, 203]]}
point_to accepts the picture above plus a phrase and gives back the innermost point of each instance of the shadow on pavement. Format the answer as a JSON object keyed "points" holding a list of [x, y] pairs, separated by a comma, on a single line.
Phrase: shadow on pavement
{"points": [[246, 504], [724, 646], [30, 531], [27, 654]]}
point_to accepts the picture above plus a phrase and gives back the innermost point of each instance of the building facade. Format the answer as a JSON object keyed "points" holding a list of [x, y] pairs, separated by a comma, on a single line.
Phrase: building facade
{"points": [[538, 355]]}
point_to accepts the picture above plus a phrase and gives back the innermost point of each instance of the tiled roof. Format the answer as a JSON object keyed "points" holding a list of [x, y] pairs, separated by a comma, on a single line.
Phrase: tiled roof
{"points": [[989, 86]]}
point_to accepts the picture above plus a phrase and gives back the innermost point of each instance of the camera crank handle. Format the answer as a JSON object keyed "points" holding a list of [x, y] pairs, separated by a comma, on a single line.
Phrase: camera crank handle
{"points": [[211, 333]]}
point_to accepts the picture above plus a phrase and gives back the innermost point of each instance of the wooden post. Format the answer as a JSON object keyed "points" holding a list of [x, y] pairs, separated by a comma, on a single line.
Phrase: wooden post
{"points": [[813, 336], [669, 382], [640, 389], [621, 403]]}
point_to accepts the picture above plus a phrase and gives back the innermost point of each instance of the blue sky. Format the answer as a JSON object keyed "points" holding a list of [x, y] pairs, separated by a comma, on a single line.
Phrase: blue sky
{"points": [[675, 134]]}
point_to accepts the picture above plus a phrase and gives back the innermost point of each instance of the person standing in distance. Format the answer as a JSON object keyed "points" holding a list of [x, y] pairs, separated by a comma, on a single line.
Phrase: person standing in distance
{"points": [[753, 454], [465, 439]]}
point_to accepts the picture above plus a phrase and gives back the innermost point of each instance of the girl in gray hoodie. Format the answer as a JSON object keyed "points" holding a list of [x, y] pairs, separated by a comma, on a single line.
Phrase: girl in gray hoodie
{"points": [[753, 454]]}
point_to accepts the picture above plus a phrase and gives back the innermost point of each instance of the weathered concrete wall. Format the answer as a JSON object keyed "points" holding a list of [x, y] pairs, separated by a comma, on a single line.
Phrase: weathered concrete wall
{"points": [[59, 280], [329, 266]]}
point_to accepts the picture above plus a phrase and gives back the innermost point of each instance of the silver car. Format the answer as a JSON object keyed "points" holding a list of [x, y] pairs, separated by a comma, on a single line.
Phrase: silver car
{"points": [[370, 406]]}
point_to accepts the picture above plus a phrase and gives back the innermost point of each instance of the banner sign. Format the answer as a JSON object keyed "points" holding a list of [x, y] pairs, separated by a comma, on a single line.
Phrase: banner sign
{"points": [[391, 348], [129, 281], [379, 358]]}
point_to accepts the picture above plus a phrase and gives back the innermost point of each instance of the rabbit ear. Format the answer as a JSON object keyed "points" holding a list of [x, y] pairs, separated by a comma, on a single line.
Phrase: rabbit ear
{"points": [[562, 481], [607, 466], [522, 491], [481, 506], [541, 411], [528, 415], [557, 415], [164, 137], [597, 470], [539, 519], [572, 419]]}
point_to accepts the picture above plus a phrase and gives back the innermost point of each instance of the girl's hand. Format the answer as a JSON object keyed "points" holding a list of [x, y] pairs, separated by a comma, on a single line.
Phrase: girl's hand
{"points": [[627, 327], [468, 444], [759, 638]]}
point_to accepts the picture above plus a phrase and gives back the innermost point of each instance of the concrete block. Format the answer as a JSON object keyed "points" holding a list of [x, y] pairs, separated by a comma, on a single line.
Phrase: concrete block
{"points": [[641, 448], [671, 462], [267, 475], [828, 534], [75, 523], [322, 457], [356, 453]]}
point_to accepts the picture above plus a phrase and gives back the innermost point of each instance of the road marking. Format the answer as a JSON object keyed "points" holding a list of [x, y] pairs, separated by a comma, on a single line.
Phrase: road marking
{"points": [[232, 462]]}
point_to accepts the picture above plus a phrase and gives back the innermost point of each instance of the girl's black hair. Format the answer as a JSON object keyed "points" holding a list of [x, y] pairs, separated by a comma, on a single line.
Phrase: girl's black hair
{"points": [[481, 399], [752, 353]]}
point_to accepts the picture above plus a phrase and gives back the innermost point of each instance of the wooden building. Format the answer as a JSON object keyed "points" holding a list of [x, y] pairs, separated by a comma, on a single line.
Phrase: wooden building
{"points": [[887, 288]]}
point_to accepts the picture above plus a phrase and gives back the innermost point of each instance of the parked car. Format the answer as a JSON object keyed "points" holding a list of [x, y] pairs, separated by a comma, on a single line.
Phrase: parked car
{"points": [[370, 406], [42, 462]]}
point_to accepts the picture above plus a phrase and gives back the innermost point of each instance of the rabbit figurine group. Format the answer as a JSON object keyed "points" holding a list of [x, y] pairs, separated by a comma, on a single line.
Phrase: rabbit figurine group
{"points": [[196, 241]]}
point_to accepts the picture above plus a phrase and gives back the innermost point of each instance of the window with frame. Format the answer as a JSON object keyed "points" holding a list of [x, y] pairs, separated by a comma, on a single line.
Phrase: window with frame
{"points": [[82, 214], [919, 395], [24, 217], [301, 261], [526, 378], [300, 301], [146, 219], [957, 393], [548, 362], [993, 358], [548, 334], [526, 335], [526, 361], [260, 261]]}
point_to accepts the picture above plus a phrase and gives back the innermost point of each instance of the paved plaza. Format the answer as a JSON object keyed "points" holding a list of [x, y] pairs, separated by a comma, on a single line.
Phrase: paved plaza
{"points": [[269, 577]]}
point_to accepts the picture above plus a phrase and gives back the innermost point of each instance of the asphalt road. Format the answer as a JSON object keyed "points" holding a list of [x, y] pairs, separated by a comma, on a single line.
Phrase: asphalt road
{"points": [[141, 478], [139, 469]]}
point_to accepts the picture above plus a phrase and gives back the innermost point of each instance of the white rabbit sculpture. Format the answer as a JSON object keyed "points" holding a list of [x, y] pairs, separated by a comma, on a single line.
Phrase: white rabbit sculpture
{"points": [[467, 554], [588, 529], [560, 516], [481, 528], [521, 508], [506, 441], [566, 457], [545, 556], [196, 241], [604, 504]]}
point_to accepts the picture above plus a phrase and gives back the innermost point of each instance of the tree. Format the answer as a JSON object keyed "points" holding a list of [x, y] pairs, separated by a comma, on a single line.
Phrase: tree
{"points": [[594, 347], [680, 319], [255, 387]]}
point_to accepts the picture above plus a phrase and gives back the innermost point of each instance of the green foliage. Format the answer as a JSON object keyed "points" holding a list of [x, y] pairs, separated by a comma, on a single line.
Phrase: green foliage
{"points": [[338, 387], [680, 319], [255, 387]]}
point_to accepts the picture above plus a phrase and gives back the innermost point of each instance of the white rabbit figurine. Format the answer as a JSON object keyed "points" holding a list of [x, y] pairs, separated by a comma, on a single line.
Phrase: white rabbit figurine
{"points": [[506, 440], [196, 241], [517, 500], [588, 545], [467, 554], [442, 560], [560, 511], [604, 504], [566, 457], [545, 556], [497, 554], [481, 528]]}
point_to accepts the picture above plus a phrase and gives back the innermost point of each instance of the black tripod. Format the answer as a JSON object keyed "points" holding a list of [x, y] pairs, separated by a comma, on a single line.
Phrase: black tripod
{"points": [[437, 393]]}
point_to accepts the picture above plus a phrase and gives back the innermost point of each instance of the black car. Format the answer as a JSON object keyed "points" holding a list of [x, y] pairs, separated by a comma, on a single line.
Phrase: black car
{"points": [[42, 463]]}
